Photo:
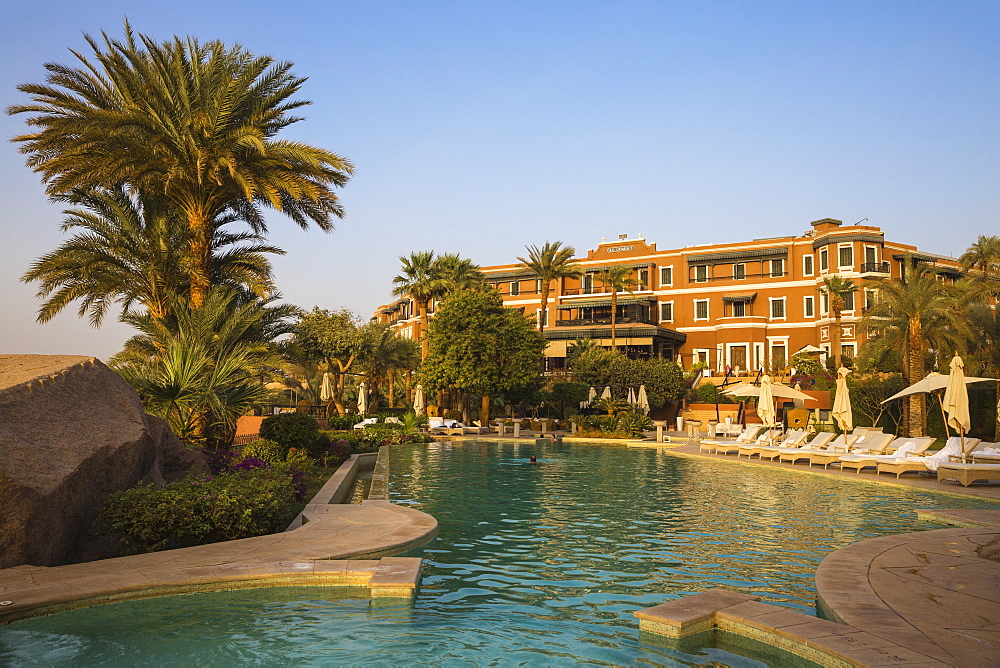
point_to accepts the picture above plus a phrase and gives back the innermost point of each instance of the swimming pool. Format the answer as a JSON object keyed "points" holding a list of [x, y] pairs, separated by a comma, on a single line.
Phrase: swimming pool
{"points": [[540, 564]]}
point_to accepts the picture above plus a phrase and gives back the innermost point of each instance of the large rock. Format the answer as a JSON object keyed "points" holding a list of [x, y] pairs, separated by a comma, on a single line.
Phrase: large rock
{"points": [[72, 431]]}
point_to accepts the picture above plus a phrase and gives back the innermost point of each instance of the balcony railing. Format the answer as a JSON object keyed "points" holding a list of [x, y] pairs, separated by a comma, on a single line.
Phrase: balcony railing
{"points": [[875, 268], [768, 274], [583, 322]]}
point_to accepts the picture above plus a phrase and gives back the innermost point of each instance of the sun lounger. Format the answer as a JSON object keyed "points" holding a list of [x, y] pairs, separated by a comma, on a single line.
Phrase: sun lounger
{"points": [[871, 443], [967, 473], [766, 437], [903, 446], [749, 435], [795, 438], [929, 463], [818, 442], [367, 421], [840, 444], [986, 453], [445, 427]]}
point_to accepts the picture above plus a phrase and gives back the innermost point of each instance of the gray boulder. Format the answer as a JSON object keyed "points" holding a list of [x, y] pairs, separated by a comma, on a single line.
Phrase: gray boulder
{"points": [[72, 431]]}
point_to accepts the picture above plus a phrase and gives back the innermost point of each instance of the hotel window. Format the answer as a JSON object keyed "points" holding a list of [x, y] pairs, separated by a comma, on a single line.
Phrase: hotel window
{"points": [[543, 321], [777, 267], [666, 276], [845, 256], [643, 279], [538, 285], [779, 356], [808, 307], [739, 271], [701, 309], [701, 273], [588, 283], [869, 299], [807, 265], [739, 309], [515, 288], [778, 308], [666, 311], [824, 303], [848, 301], [871, 255], [824, 260]]}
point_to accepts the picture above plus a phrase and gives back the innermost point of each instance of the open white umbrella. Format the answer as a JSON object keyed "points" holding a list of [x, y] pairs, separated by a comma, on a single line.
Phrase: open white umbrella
{"points": [[362, 398], [606, 394], [419, 400], [326, 390], [777, 390], [956, 400], [841, 412], [932, 382], [643, 400]]}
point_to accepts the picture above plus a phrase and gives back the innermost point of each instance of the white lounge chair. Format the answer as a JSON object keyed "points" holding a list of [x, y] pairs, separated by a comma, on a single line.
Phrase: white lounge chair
{"points": [[839, 444], [795, 438], [931, 462], [818, 442], [748, 435], [871, 443], [365, 422], [904, 446]]}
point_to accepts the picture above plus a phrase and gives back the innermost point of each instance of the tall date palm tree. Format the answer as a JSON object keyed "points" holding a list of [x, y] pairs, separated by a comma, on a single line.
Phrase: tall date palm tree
{"points": [[549, 263], [193, 123]]}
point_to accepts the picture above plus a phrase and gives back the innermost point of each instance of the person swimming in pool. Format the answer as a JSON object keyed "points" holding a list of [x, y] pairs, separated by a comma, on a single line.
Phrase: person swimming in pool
{"points": [[533, 460]]}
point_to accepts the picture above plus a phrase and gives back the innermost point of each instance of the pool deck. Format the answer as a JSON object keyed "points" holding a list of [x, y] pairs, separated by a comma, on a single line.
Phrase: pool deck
{"points": [[916, 599], [328, 545]]}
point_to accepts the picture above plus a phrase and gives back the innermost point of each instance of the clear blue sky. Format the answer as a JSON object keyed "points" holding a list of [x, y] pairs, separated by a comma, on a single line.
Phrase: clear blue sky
{"points": [[481, 127]]}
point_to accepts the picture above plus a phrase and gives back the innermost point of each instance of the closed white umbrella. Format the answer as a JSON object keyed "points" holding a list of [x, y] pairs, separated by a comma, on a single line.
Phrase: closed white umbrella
{"points": [[606, 394], [590, 398], [362, 398], [642, 400], [841, 412], [765, 402], [419, 400], [326, 391], [956, 400], [631, 397]]}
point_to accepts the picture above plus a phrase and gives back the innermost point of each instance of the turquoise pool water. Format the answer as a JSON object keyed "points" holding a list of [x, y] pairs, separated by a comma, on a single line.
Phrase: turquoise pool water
{"points": [[533, 564]]}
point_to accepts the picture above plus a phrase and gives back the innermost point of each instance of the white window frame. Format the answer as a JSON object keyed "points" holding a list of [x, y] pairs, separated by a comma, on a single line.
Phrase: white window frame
{"points": [[784, 308], [538, 317], [708, 312], [671, 305], [515, 288], [854, 349], [538, 285], [840, 248], [740, 271], [874, 253], [698, 352], [824, 260], [780, 263], [670, 276], [824, 303], [774, 343], [643, 284], [698, 269], [809, 307], [854, 301], [808, 265], [587, 284]]}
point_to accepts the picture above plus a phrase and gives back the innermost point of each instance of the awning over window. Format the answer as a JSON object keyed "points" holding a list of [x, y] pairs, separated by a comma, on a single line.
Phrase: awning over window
{"points": [[709, 258], [592, 303], [739, 297]]}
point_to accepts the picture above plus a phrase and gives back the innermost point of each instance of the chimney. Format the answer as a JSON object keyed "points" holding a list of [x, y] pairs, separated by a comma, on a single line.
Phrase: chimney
{"points": [[824, 224]]}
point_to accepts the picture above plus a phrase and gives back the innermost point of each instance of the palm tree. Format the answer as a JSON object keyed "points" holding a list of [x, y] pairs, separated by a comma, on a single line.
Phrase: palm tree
{"points": [[129, 251], [420, 280], [835, 287], [550, 262], [983, 255], [201, 369], [193, 123], [457, 273], [383, 353], [617, 278], [984, 353], [914, 315]]}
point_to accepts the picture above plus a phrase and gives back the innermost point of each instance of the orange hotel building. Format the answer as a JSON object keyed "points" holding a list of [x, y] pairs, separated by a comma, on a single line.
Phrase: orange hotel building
{"points": [[746, 305]]}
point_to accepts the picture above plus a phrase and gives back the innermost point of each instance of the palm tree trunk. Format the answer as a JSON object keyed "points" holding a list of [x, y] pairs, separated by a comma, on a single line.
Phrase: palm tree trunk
{"points": [[392, 388], [424, 321], [200, 248], [484, 411], [917, 417], [996, 428], [614, 318], [835, 342], [545, 303]]}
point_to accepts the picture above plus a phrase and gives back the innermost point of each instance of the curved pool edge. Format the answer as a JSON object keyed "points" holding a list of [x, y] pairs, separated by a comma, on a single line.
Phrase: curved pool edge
{"points": [[342, 545]]}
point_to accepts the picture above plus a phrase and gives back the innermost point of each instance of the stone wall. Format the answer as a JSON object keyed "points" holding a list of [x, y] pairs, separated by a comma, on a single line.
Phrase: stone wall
{"points": [[71, 432]]}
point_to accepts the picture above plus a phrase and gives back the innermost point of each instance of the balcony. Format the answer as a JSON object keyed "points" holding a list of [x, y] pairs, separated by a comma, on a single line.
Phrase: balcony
{"points": [[742, 277], [875, 268], [591, 322]]}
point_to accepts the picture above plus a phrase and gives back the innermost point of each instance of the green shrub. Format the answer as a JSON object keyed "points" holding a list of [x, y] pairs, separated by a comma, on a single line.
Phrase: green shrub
{"points": [[299, 458], [341, 422], [290, 430], [265, 450], [201, 510]]}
